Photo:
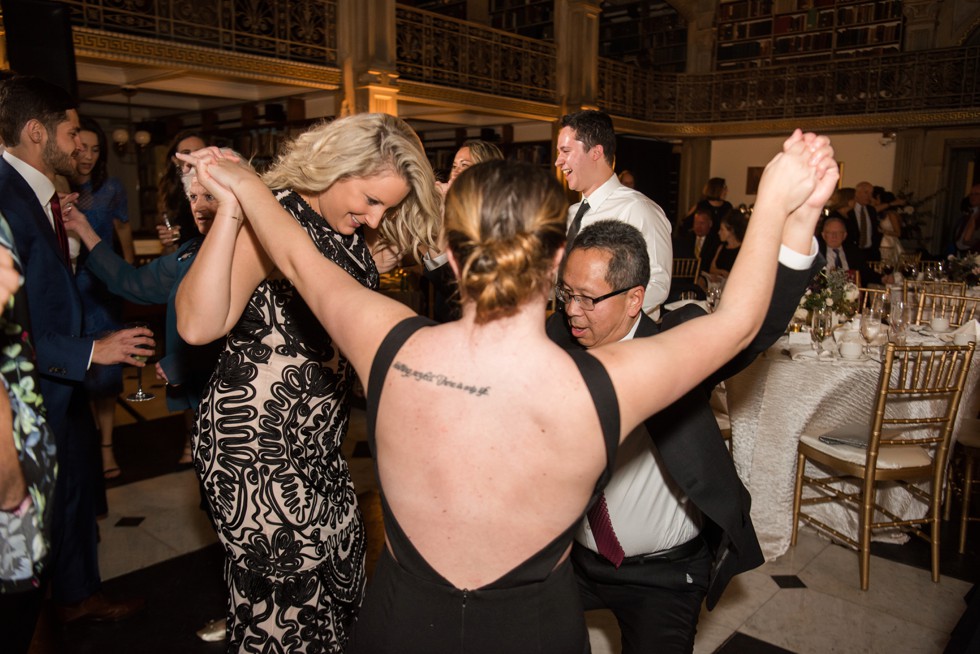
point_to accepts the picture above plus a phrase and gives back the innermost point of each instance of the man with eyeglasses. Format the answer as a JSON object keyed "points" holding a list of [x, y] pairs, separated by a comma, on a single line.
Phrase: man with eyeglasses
{"points": [[677, 512]]}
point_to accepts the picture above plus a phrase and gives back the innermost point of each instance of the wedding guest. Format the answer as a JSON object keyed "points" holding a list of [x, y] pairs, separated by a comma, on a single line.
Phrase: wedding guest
{"points": [[103, 199], [275, 413], [967, 233], [478, 537], [713, 200], [28, 466], [864, 220], [586, 155], [39, 127], [172, 205], [699, 242], [627, 179], [731, 233], [675, 502], [891, 235]]}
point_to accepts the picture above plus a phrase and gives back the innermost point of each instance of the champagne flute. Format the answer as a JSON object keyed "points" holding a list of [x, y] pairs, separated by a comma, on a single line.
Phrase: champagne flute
{"points": [[821, 327], [140, 395], [898, 321]]}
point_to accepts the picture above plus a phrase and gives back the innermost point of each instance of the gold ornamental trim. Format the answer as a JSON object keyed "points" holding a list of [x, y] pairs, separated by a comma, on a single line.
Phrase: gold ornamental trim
{"points": [[530, 109], [107, 46], [862, 122]]}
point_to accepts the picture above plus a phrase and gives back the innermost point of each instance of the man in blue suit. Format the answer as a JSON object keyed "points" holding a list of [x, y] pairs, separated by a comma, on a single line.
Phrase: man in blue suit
{"points": [[39, 128]]}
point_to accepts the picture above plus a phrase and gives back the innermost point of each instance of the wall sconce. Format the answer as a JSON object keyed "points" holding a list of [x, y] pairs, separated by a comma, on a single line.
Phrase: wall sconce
{"points": [[887, 138]]}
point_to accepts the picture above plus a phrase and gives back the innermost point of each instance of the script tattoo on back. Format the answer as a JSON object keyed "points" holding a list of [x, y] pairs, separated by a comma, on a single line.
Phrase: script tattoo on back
{"points": [[440, 380]]}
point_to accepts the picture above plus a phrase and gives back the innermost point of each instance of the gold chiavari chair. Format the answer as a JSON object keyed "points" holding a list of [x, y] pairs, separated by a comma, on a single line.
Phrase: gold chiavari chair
{"points": [[685, 268], [947, 288], [906, 258], [958, 309], [872, 296], [921, 381], [966, 453]]}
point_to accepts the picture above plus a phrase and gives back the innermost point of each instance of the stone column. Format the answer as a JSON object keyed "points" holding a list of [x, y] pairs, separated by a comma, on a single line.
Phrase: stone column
{"points": [[367, 56], [577, 41]]}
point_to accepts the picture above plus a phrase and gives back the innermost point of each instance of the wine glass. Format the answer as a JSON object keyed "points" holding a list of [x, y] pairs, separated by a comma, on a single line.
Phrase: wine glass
{"points": [[898, 321], [714, 295], [140, 395], [870, 327], [821, 327]]}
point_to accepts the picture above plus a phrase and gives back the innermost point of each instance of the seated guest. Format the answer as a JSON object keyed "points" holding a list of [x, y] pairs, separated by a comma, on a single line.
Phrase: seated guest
{"points": [[731, 233], [699, 242], [841, 253]]}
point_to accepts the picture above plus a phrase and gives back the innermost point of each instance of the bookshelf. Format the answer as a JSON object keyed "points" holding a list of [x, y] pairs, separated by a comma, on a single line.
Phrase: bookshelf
{"points": [[531, 18], [754, 33], [648, 34]]}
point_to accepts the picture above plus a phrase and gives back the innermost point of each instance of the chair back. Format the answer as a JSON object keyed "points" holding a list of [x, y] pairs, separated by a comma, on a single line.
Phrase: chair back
{"points": [[918, 395], [911, 287], [873, 297], [958, 309], [906, 258], [685, 268]]}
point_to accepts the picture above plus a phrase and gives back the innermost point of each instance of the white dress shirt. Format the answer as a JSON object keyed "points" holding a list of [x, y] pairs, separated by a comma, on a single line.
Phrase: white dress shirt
{"points": [[614, 201]]}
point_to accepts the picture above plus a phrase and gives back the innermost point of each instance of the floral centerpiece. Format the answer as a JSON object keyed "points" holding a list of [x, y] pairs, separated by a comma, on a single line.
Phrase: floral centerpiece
{"points": [[832, 290], [965, 268]]}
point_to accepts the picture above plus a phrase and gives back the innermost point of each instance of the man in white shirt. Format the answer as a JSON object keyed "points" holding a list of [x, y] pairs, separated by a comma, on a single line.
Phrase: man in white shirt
{"points": [[586, 155], [679, 513]]}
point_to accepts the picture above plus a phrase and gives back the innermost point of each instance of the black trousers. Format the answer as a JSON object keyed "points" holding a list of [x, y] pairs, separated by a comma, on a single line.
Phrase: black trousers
{"points": [[656, 602], [18, 617]]}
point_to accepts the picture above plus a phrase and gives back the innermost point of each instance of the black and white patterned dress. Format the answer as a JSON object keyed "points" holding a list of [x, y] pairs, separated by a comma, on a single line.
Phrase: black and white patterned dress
{"points": [[267, 449]]}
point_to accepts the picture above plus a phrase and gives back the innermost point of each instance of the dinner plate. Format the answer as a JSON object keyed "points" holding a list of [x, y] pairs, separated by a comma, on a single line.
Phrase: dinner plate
{"points": [[863, 357]]}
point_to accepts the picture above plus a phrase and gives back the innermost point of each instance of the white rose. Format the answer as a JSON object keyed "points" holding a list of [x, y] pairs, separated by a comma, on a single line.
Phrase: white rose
{"points": [[801, 314], [851, 293], [829, 302]]}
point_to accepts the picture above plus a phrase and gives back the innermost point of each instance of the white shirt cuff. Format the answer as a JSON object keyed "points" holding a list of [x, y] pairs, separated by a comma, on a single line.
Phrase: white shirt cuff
{"points": [[431, 263], [796, 261]]}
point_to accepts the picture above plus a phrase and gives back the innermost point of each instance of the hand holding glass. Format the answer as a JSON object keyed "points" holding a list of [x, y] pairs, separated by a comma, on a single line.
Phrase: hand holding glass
{"points": [[140, 395]]}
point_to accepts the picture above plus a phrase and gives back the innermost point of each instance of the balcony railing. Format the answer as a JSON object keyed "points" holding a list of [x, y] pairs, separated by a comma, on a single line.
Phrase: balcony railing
{"points": [[934, 80], [297, 30], [460, 55], [439, 50]]}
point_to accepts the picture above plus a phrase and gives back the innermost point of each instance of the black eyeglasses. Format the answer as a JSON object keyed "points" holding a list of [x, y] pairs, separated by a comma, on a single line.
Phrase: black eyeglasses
{"points": [[587, 303]]}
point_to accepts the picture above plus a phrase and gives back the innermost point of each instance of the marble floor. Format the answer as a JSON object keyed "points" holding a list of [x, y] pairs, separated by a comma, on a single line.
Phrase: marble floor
{"points": [[156, 542]]}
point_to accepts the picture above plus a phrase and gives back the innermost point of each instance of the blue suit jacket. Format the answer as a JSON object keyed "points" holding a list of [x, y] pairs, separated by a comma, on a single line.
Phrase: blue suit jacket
{"points": [[53, 300]]}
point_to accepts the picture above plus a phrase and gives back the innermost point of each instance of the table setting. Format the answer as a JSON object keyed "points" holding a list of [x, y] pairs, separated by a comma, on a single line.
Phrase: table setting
{"points": [[817, 379]]}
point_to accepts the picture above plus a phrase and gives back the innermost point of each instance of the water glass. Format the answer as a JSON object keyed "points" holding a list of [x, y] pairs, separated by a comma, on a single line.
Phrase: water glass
{"points": [[821, 327]]}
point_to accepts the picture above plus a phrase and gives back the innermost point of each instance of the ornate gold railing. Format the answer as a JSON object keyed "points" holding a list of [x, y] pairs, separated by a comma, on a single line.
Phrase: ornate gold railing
{"points": [[297, 30], [439, 50], [935, 80]]}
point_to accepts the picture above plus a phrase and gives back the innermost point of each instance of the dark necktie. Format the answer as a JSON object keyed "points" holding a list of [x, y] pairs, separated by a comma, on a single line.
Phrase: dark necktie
{"points": [[575, 226], [837, 263], [865, 226], [59, 228], [602, 531]]}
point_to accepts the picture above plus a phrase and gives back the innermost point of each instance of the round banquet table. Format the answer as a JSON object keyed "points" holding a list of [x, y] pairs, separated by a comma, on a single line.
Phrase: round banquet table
{"points": [[776, 399]]}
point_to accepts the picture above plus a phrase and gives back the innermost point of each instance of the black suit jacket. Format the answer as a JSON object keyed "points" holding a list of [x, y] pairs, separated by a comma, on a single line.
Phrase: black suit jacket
{"points": [[854, 232], [856, 260], [690, 443], [684, 247]]}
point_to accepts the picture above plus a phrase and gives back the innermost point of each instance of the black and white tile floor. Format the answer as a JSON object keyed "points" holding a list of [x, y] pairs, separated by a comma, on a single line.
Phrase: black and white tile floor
{"points": [[156, 542]]}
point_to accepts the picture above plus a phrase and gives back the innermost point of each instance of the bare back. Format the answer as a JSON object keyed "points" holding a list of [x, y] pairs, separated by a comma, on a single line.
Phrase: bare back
{"points": [[486, 453]]}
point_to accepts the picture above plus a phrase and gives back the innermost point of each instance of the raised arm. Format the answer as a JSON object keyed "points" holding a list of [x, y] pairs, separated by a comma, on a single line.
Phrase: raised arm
{"points": [[226, 271], [650, 373], [356, 318]]}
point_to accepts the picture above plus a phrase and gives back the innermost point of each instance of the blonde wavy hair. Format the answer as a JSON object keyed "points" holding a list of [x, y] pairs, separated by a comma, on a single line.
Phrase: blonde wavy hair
{"points": [[364, 145], [505, 221]]}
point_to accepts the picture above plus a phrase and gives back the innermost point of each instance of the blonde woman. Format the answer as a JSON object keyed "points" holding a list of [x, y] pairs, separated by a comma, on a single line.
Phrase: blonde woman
{"points": [[487, 434], [271, 423]]}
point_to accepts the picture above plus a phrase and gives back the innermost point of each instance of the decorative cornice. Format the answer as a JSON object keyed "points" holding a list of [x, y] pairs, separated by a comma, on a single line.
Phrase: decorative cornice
{"points": [[530, 109], [863, 122], [99, 45]]}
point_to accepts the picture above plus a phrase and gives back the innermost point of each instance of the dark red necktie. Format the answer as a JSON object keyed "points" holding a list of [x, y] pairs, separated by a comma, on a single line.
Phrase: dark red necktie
{"points": [[602, 531], [59, 228]]}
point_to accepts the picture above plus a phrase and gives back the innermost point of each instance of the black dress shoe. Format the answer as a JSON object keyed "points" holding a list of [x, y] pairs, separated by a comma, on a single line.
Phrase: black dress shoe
{"points": [[100, 608]]}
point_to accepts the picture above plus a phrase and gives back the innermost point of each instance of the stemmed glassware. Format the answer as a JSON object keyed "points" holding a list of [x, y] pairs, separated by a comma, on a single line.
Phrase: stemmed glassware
{"points": [[898, 321], [140, 395], [821, 327], [870, 326]]}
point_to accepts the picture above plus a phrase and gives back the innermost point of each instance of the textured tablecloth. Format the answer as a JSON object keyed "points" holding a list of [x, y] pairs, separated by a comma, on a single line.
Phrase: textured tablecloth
{"points": [[776, 399]]}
